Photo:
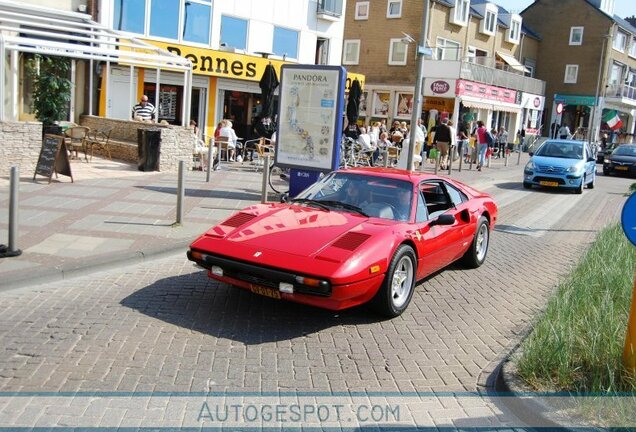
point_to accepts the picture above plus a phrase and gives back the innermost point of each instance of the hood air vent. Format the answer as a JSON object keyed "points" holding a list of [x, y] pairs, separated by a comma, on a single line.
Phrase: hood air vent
{"points": [[238, 220], [351, 241]]}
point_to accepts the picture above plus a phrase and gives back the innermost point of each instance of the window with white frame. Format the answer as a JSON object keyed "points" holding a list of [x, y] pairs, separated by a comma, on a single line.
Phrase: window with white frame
{"points": [[571, 74], [632, 47], [285, 42], [576, 35], [184, 20], [459, 13], [530, 65], [233, 32], [351, 52], [616, 74], [620, 39], [397, 52], [446, 49], [394, 9], [489, 23], [514, 32], [362, 10]]}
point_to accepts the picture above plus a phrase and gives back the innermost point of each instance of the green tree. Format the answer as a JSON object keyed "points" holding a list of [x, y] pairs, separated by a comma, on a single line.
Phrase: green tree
{"points": [[51, 87]]}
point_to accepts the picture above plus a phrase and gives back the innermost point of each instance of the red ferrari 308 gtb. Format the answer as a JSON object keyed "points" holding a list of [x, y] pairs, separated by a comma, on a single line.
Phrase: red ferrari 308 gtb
{"points": [[357, 235]]}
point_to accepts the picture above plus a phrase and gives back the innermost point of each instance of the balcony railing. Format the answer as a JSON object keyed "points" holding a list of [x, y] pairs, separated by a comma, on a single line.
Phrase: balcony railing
{"points": [[622, 92], [331, 8], [485, 70]]}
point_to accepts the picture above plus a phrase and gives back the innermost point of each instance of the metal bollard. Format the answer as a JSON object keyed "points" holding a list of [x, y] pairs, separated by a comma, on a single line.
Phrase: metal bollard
{"points": [[180, 192], [210, 161], [386, 158], [450, 159], [437, 157], [488, 159], [506, 157], [13, 215], [519, 155], [265, 180], [422, 165]]}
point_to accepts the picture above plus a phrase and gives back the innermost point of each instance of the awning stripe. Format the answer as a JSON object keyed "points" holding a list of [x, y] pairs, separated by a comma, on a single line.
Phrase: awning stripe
{"points": [[476, 105]]}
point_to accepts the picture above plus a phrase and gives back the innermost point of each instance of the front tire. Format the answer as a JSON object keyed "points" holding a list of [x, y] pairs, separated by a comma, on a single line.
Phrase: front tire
{"points": [[579, 190], [591, 184], [527, 185], [396, 291], [476, 255]]}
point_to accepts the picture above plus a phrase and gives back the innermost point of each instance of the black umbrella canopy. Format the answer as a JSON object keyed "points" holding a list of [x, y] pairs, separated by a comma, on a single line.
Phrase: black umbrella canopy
{"points": [[268, 84], [353, 103], [353, 108], [265, 125]]}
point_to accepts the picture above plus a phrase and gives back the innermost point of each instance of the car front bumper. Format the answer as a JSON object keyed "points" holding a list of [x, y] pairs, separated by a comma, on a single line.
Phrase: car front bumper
{"points": [[565, 181]]}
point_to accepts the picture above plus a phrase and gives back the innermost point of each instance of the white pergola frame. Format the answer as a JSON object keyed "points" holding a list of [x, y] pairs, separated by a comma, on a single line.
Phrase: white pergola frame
{"points": [[40, 30]]}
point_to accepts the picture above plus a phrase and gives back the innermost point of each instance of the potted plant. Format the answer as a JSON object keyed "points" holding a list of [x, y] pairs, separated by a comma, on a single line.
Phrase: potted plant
{"points": [[51, 90]]}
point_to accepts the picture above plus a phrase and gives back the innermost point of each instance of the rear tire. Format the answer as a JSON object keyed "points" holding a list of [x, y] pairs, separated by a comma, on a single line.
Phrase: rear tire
{"points": [[476, 254], [396, 291]]}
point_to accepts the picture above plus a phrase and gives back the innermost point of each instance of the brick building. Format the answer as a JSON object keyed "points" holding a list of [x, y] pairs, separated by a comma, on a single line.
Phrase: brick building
{"points": [[481, 68], [588, 60]]}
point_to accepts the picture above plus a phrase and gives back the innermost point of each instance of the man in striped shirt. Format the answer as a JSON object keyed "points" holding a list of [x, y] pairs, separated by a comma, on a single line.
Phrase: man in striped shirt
{"points": [[144, 110]]}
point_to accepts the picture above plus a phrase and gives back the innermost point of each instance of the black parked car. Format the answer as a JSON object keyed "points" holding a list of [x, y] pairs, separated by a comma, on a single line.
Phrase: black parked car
{"points": [[622, 160]]}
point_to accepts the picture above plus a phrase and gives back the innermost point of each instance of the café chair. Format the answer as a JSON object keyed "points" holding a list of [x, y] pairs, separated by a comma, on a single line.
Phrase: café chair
{"points": [[100, 139], [76, 137]]}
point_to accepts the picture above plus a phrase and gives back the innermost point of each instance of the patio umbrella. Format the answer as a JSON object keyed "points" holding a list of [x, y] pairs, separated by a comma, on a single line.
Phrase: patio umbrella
{"points": [[265, 125], [353, 107]]}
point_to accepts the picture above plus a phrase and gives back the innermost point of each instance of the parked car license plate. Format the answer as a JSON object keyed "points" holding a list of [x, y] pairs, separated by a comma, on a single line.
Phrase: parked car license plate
{"points": [[267, 292], [549, 183], [622, 168]]}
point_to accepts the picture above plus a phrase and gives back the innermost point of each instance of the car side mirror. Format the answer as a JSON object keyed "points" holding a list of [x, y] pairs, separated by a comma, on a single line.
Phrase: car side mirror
{"points": [[591, 159], [531, 154], [284, 198], [443, 219]]}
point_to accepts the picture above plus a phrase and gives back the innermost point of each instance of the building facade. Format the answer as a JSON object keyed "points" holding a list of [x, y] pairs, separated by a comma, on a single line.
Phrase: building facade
{"points": [[229, 43], [480, 65], [588, 60]]}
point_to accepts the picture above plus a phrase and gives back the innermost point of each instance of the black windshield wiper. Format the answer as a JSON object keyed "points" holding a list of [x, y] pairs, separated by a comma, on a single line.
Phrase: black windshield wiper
{"points": [[345, 206], [310, 202]]}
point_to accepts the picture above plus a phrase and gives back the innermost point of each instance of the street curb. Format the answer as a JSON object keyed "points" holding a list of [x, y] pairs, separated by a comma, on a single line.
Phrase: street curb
{"points": [[93, 265]]}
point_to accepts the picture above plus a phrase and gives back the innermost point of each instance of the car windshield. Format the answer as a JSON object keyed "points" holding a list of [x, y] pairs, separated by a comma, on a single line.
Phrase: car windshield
{"points": [[367, 195], [625, 151], [565, 150]]}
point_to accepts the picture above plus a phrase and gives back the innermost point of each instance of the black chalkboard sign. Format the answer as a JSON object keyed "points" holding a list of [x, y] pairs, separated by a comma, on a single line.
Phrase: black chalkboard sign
{"points": [[53, 158]]}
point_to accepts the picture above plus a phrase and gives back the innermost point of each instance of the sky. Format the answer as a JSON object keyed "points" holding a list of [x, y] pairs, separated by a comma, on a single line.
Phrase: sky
{"points": [[622, 8]]}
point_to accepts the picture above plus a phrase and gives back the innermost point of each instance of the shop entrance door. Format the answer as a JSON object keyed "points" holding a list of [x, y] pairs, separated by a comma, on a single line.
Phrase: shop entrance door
{"points": [[198, 111]]}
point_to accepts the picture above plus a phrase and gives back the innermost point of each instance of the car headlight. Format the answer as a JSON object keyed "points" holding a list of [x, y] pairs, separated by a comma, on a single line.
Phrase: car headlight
{"points": [[606, 161], [530, 166], [575, 168]]}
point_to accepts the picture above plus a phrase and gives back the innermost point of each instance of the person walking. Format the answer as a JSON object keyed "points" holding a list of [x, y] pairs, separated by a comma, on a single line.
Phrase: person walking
{"points": [[482, 144], [502, 139], [144, 110], [564, 132], [443, 139]]}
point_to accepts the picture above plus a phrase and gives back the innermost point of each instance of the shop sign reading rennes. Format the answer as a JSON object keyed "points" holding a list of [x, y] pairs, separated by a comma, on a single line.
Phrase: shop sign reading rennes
{"points": [[229, 65]]}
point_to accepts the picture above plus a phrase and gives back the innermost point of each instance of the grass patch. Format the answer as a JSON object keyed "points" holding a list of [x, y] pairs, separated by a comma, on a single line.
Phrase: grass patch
{"points": [[577, 344]]}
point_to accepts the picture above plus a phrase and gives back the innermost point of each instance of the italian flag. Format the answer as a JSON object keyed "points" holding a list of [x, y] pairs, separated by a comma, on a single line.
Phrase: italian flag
{"points": [[613, 120]]}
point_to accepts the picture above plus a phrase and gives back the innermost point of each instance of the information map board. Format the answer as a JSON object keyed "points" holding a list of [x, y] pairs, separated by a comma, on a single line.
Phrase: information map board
{"points": [[311, 104], [53, 158]]}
